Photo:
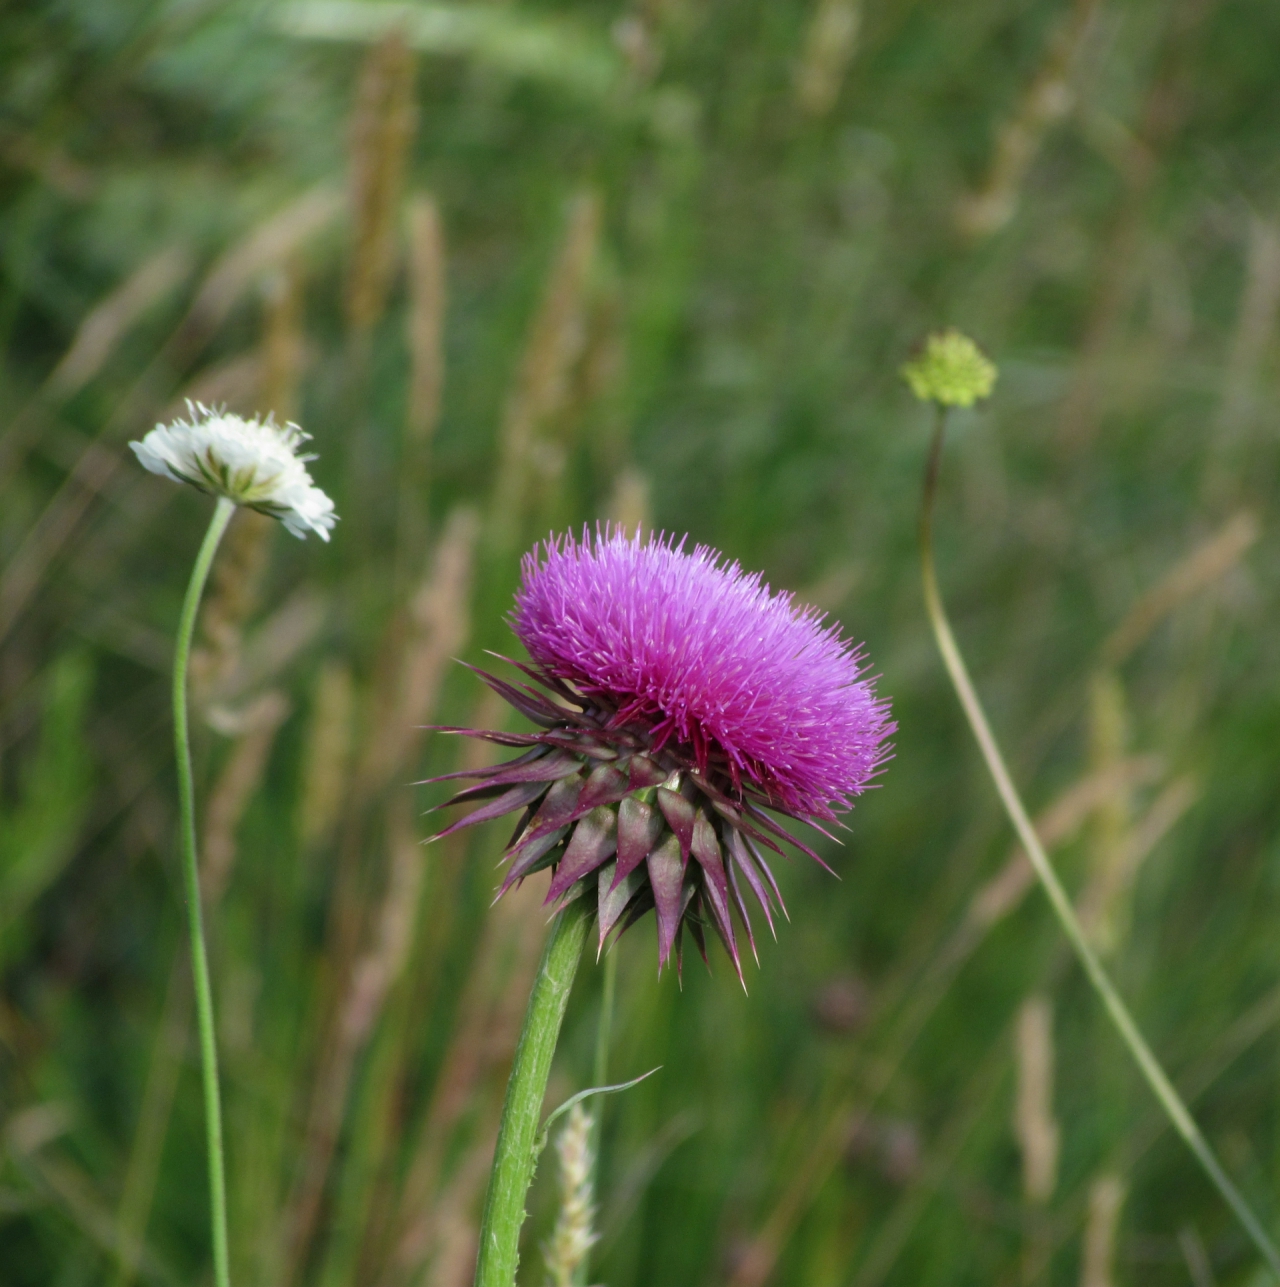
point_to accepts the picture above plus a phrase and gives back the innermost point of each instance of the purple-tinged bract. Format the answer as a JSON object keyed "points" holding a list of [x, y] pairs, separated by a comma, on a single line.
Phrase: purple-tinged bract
{"points": [[680, 704]]}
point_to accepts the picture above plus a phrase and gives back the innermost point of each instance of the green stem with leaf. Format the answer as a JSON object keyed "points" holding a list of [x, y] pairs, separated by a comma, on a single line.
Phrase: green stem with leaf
{"points": [[1150, 1067], [191, 881], [515, 1153]]}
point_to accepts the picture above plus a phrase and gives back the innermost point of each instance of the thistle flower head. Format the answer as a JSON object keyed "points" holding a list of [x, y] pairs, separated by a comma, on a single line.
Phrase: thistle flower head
{"points": [[681, 704], [254, 463], [706, 656], [951, 370]]}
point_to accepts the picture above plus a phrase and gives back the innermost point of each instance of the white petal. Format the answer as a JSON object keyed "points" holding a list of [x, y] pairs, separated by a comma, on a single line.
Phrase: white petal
{"points": [[251, 462]]}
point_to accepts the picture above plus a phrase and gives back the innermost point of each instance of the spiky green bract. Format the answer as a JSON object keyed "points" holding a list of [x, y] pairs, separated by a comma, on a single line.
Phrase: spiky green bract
{"points": [[681, 705]]}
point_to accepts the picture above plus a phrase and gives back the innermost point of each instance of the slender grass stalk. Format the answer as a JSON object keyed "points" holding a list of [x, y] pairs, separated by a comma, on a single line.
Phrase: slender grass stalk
{"points": [[604, 1029], [513, 1158], [599, 1077], [1150, 1067], [191, 879]]}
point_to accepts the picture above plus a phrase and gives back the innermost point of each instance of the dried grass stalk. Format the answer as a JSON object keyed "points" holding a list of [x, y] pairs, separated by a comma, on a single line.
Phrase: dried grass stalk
{"points": [[457, 1234], [328, 755], [385, 957], [1118, 845], [1108, 720], [1197, 1258], [243, 772], [24, 150], [453, 1256], [106, 324], [425, 337], [234, 383], [240, 778], [1254, 329], [167, 1055], [64, 1184], [1034, 1124], [283, 346], [237, 574], [25, 571], [236, 584], [270, 647], [1163, 113], [1055, 826], [382, 127], [1206, 565], [1097, 1266], [263, 248], [1258, 304], [1104, 902], [604, 354], [438, 625], [556, 343], [1047, 100], [636, 39], [364, 996], [96, 338], [473, 1072], [574, 1234], [993, 901], [630, 506], [829, 47], [427, 300], [830, 592], [97, 466]]}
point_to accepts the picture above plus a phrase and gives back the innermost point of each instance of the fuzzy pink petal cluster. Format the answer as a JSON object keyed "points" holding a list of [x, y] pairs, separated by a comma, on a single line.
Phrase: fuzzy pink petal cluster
{"points": [[707, 655]]}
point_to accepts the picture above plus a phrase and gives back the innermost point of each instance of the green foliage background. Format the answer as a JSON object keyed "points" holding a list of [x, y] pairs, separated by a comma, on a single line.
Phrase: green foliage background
{"points": [[770, 245]]}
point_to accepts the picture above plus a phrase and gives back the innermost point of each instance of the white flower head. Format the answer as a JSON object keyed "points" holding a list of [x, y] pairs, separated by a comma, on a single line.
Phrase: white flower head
{"points": [[251, 462]]}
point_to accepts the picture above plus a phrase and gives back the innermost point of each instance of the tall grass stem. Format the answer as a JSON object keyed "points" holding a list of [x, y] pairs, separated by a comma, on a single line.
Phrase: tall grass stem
{"points": [[1150, 1067], [604, 1029], [191, 879], [599, 1077], [513, 1158]]}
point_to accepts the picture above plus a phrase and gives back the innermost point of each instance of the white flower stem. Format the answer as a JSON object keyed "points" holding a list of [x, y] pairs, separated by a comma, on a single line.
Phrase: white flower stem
{"points": [[1155, 1075], [191, 879]]}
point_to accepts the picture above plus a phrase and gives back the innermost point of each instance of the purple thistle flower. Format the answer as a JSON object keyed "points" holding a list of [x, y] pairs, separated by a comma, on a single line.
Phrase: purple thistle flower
{"points": [[687, 704]]}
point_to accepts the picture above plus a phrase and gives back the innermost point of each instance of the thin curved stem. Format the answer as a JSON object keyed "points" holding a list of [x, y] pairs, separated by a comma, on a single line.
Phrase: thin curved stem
{"points": [[1160, 1084], [513, 1157], [191, 880]]}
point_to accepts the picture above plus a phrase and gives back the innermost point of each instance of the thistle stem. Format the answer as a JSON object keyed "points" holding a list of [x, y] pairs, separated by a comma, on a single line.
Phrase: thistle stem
{"points": [[1150, 1067], [191, 880], [513, 1158]]}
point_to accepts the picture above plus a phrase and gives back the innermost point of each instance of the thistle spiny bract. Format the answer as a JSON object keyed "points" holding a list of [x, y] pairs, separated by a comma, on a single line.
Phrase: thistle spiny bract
{"points": [[680, 705]]}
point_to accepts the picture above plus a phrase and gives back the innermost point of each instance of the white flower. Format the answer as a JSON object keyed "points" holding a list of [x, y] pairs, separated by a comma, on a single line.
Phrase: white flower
{"points": [[251, 462]]}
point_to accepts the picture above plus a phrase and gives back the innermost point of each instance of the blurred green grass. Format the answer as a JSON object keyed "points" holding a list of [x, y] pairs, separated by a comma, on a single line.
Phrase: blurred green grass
{"points": [[684, 258]]}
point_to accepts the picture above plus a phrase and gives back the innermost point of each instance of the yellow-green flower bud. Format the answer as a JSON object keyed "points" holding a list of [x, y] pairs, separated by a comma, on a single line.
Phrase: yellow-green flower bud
{"points": [[950, 370]]}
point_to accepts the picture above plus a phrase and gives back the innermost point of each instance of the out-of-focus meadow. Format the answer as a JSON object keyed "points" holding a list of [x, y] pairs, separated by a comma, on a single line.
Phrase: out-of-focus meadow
{"points": [[519, 267]]}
